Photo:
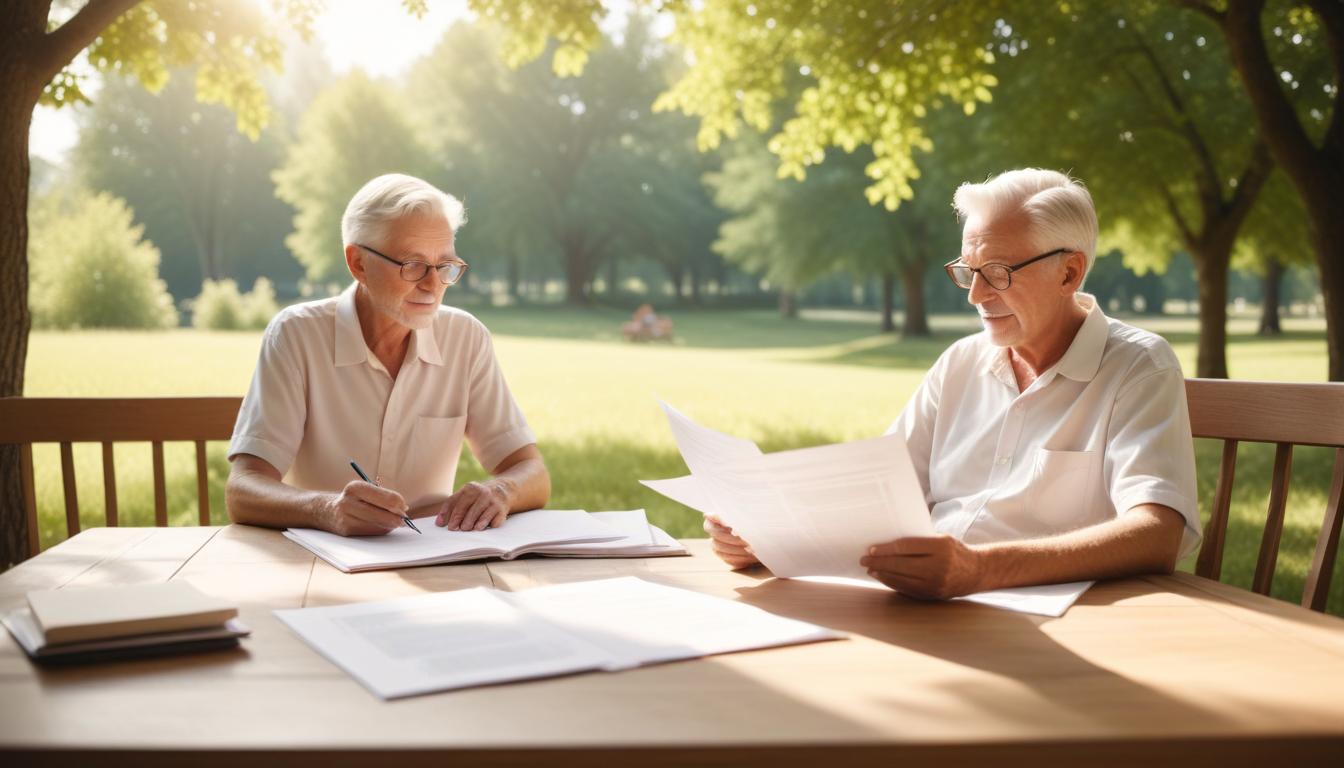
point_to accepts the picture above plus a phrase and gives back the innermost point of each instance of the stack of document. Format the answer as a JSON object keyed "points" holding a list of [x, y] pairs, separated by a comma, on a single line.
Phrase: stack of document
{"points": [[78, 625], [554, 532], [481, 636]]}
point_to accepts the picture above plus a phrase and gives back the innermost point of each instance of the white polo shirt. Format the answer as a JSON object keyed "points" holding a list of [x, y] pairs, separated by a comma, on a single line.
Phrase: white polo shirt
{"points": [[1102, 431], [320, 398]]}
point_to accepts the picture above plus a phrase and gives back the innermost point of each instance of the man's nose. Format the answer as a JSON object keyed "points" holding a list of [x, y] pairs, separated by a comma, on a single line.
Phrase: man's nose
{"points": [[980, 290]]}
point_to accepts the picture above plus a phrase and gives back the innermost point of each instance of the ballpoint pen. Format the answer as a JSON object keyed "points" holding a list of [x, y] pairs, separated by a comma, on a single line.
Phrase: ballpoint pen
{"points": [[366, 479]]}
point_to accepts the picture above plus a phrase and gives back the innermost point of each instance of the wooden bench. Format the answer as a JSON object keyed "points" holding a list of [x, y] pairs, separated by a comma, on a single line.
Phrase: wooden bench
{"points": [[156, 420]]}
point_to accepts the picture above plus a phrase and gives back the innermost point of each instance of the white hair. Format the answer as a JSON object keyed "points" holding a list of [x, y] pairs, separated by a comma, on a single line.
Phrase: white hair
{"points": [[391, 196], [1058, 208]]}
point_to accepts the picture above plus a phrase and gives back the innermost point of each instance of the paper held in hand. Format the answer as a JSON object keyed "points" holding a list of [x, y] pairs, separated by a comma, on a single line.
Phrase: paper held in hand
{"points": [[555, 532], [807, 512]]}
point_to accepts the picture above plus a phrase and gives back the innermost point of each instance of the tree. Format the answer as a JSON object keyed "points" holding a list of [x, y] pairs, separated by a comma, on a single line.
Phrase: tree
{"points": [[353, 131], [91, 267], [230, 43], [202, 190], [1293, 78], [1138, 102]]}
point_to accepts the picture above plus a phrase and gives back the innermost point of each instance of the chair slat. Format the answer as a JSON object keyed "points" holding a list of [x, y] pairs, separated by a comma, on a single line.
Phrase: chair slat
{"points": [[30, 498], [109, 485], [1210, 563], [1317, 588], [202, 484], [1278, 500], [160, 488], [119, 420], [71, 492]]}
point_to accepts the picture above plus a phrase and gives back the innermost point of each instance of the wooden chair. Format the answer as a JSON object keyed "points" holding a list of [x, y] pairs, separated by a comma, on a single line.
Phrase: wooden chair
{"points": [[156, 420], [1286, 415]]}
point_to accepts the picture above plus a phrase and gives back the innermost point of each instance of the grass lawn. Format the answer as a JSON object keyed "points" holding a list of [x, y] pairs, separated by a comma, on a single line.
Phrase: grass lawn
{"points": [[591, 399]]}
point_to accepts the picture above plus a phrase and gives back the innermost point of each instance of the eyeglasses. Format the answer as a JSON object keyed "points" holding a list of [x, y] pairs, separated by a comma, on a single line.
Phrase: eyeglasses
{"points": [[414, 271], [999, 276]]}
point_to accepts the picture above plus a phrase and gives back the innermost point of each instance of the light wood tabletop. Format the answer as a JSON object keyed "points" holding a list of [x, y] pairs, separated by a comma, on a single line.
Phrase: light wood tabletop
{"points": [[1170, 670]]}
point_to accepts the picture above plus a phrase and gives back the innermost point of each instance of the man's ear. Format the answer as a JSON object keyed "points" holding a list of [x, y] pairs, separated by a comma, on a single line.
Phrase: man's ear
{"points": [[354, 261], [1075, 269]]}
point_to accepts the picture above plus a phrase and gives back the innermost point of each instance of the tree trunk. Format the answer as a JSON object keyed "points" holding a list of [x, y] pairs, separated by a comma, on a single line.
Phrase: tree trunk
{"points": [[515, 276], [695, 286], [1211, 271], [1316, 172], [888, 301], [612, 275], [16, 110], [916, 311], [788, 304], [1269, 303]]}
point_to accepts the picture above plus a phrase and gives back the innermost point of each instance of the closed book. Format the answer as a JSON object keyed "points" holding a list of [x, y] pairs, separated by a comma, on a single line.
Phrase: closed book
{"points": [[99, 613]]}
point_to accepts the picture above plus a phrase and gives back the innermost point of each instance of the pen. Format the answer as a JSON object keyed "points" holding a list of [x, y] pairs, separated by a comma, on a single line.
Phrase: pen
{"points": [[366, 479]]}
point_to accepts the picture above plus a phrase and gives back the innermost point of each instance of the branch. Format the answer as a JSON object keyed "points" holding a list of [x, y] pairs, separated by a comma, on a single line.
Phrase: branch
{"points": [[1331, 13], [1202, 8], [1208, 179], [60, 46], [1186, 234], [1279, 124], [1250, 182]]}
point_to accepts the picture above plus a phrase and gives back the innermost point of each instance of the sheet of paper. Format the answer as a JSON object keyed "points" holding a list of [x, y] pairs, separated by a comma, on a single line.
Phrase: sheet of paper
{"points": [[441, 641], [404, 547], [687, 490], [1044, 600], [638, 622], [808, 512]]}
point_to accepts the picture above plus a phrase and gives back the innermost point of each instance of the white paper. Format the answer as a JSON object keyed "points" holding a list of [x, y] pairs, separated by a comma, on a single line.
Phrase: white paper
{"points": [[480, 636], [812, 511], [639, 539], [638, 622], [521, 533], [1044, 600]]}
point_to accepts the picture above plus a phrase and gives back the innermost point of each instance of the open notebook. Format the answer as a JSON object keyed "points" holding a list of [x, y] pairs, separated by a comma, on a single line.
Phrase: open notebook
{"points": [[555, 532]]}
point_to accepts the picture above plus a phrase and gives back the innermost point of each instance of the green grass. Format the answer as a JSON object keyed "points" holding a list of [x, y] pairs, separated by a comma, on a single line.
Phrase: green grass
{"points": [[591, 399]]}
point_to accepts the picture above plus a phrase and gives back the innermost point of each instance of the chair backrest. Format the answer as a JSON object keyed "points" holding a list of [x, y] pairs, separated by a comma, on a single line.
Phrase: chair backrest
{"points": [[1285, 415], [28, 420]]}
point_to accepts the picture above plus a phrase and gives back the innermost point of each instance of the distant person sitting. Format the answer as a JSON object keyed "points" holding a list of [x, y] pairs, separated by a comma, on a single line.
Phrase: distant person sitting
{"points": [[388, 377], [646, 325], [1054, 445]]}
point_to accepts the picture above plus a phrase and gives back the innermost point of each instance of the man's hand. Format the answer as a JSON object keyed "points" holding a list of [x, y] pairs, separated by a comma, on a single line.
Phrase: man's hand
{"points": [[926, 567], [731, 549], [475, 507], [363, 509]]}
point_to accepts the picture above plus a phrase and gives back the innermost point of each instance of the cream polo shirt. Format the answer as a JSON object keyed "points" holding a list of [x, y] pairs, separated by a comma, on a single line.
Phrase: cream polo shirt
{"points": [[1104, 430], [320, 398]]}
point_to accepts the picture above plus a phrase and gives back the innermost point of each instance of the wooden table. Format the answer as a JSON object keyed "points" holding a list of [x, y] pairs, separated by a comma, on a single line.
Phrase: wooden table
{"points": [[1163, 670]]}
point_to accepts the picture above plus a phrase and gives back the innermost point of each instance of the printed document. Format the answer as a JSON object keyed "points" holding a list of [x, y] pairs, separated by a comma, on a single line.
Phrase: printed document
{"points": [[448, 640]]}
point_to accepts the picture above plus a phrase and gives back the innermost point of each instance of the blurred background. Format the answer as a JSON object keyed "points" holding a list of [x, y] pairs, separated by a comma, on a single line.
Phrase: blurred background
{"points": [[773, 177]]}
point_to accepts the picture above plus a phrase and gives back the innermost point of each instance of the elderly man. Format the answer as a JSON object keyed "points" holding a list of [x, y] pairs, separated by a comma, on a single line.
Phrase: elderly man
{"points": [[387, 377], [1053, 446]]}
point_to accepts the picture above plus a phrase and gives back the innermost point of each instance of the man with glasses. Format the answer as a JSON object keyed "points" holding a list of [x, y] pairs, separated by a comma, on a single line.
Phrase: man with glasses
{"points": [[1054, 446], [386, 377]]}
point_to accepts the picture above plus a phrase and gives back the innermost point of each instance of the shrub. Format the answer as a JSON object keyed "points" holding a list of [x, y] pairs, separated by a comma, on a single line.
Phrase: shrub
{"points": [[91, 267], [221, 307]]}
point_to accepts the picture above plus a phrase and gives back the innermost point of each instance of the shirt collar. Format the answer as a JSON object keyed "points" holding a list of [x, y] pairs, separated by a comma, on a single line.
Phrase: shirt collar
{"points": [[350, 346], [1080, 361], [1083, 357]]}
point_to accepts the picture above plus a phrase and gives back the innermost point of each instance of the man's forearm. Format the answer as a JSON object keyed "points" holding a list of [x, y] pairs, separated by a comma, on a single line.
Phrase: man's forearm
{"points": [[255, 499], [1145, 540], [527, 484]]}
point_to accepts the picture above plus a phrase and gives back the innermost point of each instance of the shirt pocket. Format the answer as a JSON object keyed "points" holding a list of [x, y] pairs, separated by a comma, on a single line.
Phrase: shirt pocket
{"points": [[1061, 489], [436, 445]]}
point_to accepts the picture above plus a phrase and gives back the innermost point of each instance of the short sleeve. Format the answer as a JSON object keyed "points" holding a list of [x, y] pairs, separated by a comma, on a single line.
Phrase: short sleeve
{"points": [[916, 424], [271, 421], [1150, 454], [495, 424]]}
